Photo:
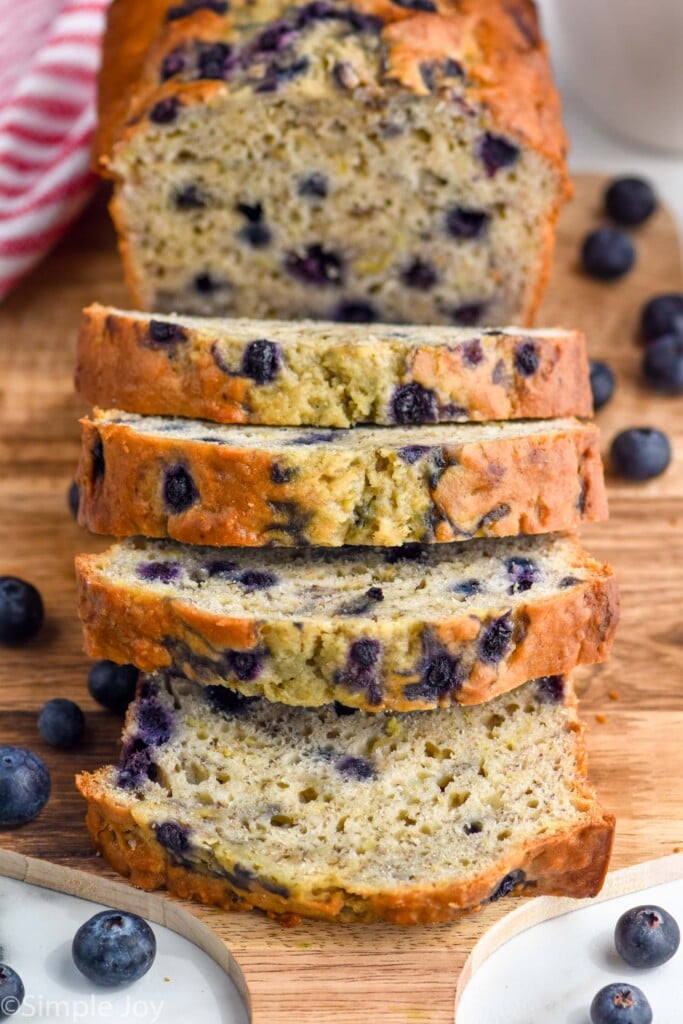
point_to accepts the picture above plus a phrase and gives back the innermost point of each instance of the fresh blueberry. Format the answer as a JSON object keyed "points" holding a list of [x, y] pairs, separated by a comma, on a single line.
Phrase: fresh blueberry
{"points": [[414, 404], [522, 572], [607, 254], [420, 275], [24, 786], [21, 611], [646, 936], [114, 948], [662, 315], [316, 266], [313, 185], [73, 498], [189, 197], [165, 111], [172, 836], [495, 152], [630, 201], [640, 453], [464, 223], [180, 492], [61, 723], [112, 685], [494, 639], [620, 1003], [11, 991], [163, 332], [158, 572], [602, 383], [355, 311], [261, 361], [663, 364], [526, 359]]}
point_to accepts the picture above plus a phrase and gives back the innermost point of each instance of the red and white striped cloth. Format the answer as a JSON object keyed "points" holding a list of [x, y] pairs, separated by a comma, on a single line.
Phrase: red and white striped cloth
{"points": [[49, 57]]}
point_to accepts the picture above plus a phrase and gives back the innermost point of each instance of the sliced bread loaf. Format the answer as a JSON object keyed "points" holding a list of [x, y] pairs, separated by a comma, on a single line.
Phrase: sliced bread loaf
{"points": [[402, 628], [330, 375], [212, 484], [407, 818]]}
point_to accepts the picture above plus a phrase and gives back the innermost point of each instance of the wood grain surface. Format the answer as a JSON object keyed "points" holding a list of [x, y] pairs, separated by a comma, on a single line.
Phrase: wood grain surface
{"points": [[323, 973]]}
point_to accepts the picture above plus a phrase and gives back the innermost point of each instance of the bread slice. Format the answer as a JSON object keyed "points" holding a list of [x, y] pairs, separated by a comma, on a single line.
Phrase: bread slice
{"points": [[408, 818], [402, 628], [396, 161], [330, 375], [203, 483]]}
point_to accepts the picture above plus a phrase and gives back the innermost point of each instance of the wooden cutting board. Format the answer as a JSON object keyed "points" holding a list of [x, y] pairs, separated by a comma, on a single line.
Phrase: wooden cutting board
{"points": [[318, 973]]}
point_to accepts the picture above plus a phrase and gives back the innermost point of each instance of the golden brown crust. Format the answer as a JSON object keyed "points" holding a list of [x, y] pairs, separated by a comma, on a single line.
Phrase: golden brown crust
{"points": [[119, 367], [569, 863], [525, 483], [576, 626]]}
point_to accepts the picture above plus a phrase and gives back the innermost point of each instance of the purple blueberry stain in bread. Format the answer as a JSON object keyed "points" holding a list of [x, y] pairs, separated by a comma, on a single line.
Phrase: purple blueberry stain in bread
{"points": [[500, 374], [466, 588], [471, 352], [189, 197], [173, 63], [451, 411], [507, 885], [438, 463], [550, 689], [255, 232], [278, 73], [135, 765], [355, 311], [316, 266], [163, 333], [242, 878], [413, 404], [221, 567], [165, 111], [363, 604], [360, 673], [293, 521], [158, 572], [419, 274], [313, 185], [227, 702], [97, 459], [276, 38], [412, 453], [522, 573], [495, 639], [253, 579], [173, 837], [281, 474], [154, 722], [496, 152], [314, 437], [179, 489], [261, 360], [441, 673], [215, 61], [526, 358], [494, 515], [189, 7], [467, 315], [355, 769], [451, 68], [464, 224], [245, 665]]}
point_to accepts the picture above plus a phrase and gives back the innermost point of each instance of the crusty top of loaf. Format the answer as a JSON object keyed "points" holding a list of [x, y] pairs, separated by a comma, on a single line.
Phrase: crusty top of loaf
{"points": [[496, 42]]}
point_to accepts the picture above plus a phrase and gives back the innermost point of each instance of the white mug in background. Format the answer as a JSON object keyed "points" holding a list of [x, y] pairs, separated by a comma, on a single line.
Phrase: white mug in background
{"points": [[624, 61]]}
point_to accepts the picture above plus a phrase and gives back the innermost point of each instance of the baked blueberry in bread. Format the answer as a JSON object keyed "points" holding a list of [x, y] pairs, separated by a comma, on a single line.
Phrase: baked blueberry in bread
{"points": [[399, 628], [392, 160], [251, 486], [329, 375], [406, 818]]}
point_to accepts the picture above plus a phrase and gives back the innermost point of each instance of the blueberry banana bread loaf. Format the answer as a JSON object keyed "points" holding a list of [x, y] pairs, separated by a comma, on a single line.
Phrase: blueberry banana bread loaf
{"points": [[398, 628], [410, 156], [406, 818], [328, 375], [215, 484]]}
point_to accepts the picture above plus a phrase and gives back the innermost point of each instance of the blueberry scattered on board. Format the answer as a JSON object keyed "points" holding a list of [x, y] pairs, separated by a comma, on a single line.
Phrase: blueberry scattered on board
{"points": [[11, 991], [620, 1003], [640, 453], [607, 254], [114, 948], [61, 723], [602, 383], [663, 364], [646, 936], [21, 610], [630, 201], [24, 785], [663, 314], [112, 685]]}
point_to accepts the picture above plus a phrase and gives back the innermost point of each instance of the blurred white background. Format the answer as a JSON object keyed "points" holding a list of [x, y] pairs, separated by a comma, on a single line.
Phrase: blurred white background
{"points": [[593, 146]]}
